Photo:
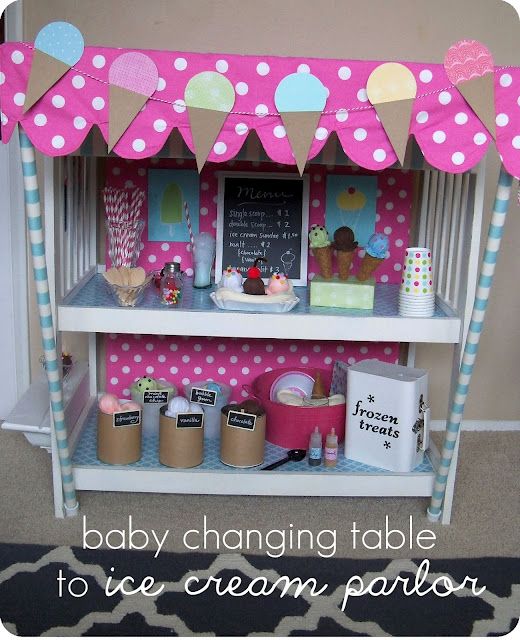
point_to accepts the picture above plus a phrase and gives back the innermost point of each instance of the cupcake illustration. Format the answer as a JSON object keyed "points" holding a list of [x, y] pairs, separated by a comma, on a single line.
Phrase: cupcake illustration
{"points": [[351, 199]]}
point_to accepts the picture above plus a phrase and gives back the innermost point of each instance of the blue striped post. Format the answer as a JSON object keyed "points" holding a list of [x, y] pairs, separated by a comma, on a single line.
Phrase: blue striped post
{"points": [[487, 271], [53, 364]]}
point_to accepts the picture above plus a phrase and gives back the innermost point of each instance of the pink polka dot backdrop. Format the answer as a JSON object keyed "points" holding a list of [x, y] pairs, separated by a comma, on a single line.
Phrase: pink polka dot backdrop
{"points": [[450, 135], [238, 362]]}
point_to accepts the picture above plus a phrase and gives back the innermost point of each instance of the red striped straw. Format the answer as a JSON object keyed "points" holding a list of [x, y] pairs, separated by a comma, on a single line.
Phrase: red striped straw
{"points": [[188, 221]]}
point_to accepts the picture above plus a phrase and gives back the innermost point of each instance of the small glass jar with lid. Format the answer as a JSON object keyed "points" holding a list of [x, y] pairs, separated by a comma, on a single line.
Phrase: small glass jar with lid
{"points": [[171, 284]]}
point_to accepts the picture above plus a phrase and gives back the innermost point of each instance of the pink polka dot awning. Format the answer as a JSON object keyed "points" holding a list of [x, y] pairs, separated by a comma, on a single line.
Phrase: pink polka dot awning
{"points": [[449, 134]]}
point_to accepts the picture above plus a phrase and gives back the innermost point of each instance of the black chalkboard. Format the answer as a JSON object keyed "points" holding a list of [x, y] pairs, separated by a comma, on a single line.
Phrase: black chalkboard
{"points": [[156, 397], [263, 215], [241, 420], [203, 396], [190, 420], [127, 418]]}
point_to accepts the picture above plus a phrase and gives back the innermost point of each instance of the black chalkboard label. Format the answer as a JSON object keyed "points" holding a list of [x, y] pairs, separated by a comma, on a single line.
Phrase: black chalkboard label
{"points": [[190, 420], [203, 396], [263, 215], [127, 418], [241, 420], [156, 397]]}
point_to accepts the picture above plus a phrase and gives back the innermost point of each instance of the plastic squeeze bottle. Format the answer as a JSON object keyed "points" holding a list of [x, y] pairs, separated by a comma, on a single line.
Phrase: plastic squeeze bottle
{"points": [[331, 449], [315, 448]]}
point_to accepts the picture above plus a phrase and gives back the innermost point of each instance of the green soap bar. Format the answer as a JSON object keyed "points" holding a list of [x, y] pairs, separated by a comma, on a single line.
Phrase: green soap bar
{"points": [[345, 294]]}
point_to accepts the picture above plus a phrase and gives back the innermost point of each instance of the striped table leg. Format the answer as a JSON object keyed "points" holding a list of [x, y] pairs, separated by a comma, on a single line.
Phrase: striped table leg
{"points": [[487, 272], [34, 222]]}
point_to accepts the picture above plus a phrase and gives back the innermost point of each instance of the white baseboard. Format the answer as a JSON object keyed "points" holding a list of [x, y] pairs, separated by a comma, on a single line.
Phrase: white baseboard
{"points": [[480, 425]]}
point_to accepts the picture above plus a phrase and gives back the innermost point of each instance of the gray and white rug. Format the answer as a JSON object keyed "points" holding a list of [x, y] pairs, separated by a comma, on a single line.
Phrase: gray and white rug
{"points": [[30, 602]]}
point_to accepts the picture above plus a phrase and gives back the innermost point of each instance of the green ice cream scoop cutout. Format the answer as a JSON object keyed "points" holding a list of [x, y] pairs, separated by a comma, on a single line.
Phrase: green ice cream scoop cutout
{"points": [[318, 237], [210, 90], [146, 384]]}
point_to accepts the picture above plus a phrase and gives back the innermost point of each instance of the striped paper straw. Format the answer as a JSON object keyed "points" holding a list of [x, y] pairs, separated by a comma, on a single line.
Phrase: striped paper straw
{"points": [[188, 221], [485, 282], [34, 223]]}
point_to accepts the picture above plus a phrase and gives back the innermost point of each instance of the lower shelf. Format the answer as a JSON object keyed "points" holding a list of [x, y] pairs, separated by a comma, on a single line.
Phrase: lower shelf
{"points": [[348, 478]]}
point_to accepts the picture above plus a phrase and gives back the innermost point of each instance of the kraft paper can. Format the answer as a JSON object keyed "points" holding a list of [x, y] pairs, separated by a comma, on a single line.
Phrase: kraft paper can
{"points": [[117, 445], [242, 448], [179, 448]]}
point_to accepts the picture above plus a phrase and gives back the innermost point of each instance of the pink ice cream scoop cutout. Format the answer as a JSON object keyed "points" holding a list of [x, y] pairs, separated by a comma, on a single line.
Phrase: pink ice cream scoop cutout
{"points": [[469, 66], [278, 283], [133, 78]]}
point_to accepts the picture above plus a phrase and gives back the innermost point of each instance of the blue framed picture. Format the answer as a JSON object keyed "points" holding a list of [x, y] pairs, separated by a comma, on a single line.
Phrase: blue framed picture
{"points": [[351, 202], [168, 190]]}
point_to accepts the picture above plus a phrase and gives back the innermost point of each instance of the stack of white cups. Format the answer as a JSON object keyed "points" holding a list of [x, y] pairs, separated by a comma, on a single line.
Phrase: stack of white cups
{"points": [[416, 294]]}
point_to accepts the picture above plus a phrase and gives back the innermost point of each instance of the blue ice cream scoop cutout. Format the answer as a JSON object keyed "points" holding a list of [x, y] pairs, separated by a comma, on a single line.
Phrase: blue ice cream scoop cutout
{"points": [[61, 40], [300, 92], [377, 245]]}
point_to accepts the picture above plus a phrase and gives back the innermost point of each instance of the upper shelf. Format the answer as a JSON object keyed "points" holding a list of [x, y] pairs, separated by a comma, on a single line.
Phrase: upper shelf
{"points": [[91, 308]]}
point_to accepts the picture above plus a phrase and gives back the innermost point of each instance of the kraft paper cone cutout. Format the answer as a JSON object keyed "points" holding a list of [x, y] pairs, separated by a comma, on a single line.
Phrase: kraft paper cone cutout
{"points": [[209, 97], [57, 48], [391, 88], [133, 78], [300, 99], [469, 66]]}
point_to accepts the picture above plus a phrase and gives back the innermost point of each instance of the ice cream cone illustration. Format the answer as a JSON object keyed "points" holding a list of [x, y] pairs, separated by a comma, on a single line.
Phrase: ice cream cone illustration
{"points": [[57, 48], [391, 88], [300, 99], [133, 78], [345, 247], [209, 97], [320, 245], [375, 254], [287, 259], [469, 66]]}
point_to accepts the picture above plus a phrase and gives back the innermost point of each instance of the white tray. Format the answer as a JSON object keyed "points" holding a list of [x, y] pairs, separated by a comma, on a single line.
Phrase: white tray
{"points": [[266, 307]]}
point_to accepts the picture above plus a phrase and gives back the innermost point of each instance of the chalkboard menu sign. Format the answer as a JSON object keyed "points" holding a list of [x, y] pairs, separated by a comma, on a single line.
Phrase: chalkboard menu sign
{"points": [[263, 215]]}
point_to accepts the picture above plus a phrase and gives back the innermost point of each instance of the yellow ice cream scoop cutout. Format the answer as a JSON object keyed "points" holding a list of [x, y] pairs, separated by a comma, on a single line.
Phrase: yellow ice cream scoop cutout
{"points": [[351, 199], [391, 88]]}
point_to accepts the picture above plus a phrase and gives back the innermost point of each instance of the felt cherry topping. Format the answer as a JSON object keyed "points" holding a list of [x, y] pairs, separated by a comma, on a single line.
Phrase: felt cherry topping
{"points": [[254, 271], [351, 190]]}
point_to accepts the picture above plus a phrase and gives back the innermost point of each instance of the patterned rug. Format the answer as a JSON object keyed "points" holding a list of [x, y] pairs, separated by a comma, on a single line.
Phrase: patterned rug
{"points": [[30, 604]]}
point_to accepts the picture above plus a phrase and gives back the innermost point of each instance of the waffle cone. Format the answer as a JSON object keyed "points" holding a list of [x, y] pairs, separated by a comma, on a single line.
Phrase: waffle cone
{"points": [[323, 257], [368, 266], [344, 262]]}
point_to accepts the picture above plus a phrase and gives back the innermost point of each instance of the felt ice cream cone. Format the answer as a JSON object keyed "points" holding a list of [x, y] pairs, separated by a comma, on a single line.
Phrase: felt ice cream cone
{"points": [[124, 106], [368, 266], [479, 93], [323, 257], [205, 126], [300, 127], [45, 72], [318, 390], [344, 262]]}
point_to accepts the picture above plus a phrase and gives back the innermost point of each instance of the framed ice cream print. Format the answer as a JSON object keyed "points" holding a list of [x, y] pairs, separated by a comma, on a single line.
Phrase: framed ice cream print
{"points": [[263, 215]]}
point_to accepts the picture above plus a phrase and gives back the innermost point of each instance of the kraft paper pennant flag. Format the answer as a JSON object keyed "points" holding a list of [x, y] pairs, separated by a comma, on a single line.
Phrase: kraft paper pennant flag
{"points": [[133, 78], [300, 99], [469, 66], [391, 88], [57, 48], [209, 97]]}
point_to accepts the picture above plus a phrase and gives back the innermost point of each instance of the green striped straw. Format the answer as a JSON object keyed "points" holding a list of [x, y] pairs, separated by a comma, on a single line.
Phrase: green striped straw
{"points": [[487, 271], [34, 223]]}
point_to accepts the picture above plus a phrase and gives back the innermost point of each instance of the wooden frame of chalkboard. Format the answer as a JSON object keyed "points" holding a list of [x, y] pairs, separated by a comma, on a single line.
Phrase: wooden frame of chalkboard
{"points": [[275, 212]]}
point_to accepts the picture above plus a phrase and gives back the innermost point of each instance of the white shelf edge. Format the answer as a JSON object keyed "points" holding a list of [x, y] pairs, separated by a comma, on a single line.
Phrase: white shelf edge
{"points": [[269, 326], [94, 478]]}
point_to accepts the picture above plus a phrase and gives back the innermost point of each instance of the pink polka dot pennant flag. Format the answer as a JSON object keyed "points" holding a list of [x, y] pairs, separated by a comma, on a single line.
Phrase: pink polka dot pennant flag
{"points": [[300, 98], [209, 97], [391, 88], [469, 66], [133, 78], [57, 48]]}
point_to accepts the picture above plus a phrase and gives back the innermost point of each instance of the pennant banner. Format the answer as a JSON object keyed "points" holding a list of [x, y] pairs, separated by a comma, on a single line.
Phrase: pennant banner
{"points": [[57, 48], [391, 88], [469, 66], [300, 99]]}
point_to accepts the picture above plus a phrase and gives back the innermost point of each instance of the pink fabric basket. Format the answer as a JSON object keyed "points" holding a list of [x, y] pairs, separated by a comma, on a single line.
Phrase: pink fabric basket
{"points": [[291, 427]]}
